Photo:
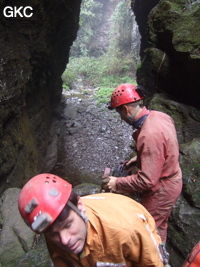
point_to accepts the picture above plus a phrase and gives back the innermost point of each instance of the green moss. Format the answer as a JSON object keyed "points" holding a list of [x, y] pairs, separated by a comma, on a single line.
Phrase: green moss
{"points": [[163, 16], [8, 155], [18, 153], [161, 102], [179, 231], [37, 256], [177, 5], [191, 180], [187, 31], [179, 18], [165, 6]]}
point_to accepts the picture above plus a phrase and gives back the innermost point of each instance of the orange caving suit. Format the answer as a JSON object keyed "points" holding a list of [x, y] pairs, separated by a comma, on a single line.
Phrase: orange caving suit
{"points": [[159, 177], [120, 233]]}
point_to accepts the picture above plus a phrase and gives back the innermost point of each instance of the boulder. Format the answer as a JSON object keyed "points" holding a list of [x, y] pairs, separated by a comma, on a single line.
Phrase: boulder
{"points": [[16, 238]]}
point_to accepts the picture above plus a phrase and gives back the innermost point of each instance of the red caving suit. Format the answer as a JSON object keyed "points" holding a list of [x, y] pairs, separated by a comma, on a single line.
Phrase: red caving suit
{"points": [[159, 178]]}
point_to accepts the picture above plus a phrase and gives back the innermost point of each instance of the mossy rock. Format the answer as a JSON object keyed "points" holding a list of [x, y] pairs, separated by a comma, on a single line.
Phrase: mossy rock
{"points": [[190, 164]]}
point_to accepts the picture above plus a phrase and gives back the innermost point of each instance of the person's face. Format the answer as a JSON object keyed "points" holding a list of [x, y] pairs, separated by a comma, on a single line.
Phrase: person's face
{"points": [[71, 233], [124, 114], [128, 113], [124, 117]]}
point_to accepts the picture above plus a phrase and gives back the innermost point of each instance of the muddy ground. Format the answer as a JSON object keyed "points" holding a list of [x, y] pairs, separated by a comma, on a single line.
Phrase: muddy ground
{"points": [[92, 138]]}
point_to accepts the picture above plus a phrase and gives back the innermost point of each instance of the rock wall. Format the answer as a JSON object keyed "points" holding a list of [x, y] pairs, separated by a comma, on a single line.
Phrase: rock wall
{"points": [[33, 54], [171, 67], [183, 231], [170, 48]]}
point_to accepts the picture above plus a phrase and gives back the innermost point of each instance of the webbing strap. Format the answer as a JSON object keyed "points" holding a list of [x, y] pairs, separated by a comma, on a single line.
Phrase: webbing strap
{"points": [[80, 213]]}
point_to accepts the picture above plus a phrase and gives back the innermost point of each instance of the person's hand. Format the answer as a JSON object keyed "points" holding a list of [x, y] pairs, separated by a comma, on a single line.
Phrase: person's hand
{"points": [[112, 183], [132, 160], [105, 177], [105, 180]]}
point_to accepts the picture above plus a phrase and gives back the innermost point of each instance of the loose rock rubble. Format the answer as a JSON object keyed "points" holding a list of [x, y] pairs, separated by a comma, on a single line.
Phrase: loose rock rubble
{"points": [[91, 139]]}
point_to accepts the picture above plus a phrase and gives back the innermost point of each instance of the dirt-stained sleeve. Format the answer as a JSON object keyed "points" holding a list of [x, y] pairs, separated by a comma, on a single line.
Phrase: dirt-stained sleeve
{"points": [[151, 156]]}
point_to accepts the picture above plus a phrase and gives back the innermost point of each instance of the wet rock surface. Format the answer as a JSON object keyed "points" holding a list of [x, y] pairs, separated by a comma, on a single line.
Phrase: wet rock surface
{"points": [[91, 138], [34, 54]]}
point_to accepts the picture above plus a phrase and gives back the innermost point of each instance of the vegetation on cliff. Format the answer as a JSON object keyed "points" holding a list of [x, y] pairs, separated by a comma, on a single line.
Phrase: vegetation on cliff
{"points": [[112, 62]]}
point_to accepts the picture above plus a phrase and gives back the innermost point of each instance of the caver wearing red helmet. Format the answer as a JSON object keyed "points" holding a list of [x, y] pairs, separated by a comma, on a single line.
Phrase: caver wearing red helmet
{"points": [[42, 200], [158, 178], [124, 94], [91, 230]]}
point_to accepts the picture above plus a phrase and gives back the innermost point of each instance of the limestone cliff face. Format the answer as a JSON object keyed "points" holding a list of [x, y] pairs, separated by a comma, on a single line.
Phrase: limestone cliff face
{"points": [[170, 56], [170, 48], [33, 54]]}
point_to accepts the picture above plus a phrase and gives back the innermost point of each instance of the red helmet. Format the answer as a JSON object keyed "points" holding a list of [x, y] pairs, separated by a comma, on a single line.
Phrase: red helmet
{"points": [[42, 199], [124, 94]]}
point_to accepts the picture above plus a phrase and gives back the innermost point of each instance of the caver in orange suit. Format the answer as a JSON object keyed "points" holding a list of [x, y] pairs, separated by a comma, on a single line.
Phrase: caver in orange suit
{"points": [[120, 233], [159, 177]]}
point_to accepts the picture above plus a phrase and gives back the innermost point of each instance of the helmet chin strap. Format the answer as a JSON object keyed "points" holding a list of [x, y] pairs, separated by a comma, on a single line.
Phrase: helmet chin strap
{"points": [[80, 213]]}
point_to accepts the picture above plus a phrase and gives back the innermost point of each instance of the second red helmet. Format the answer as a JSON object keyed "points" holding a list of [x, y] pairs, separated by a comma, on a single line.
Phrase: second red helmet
{"points": [[42, 199], [124, 94]]}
